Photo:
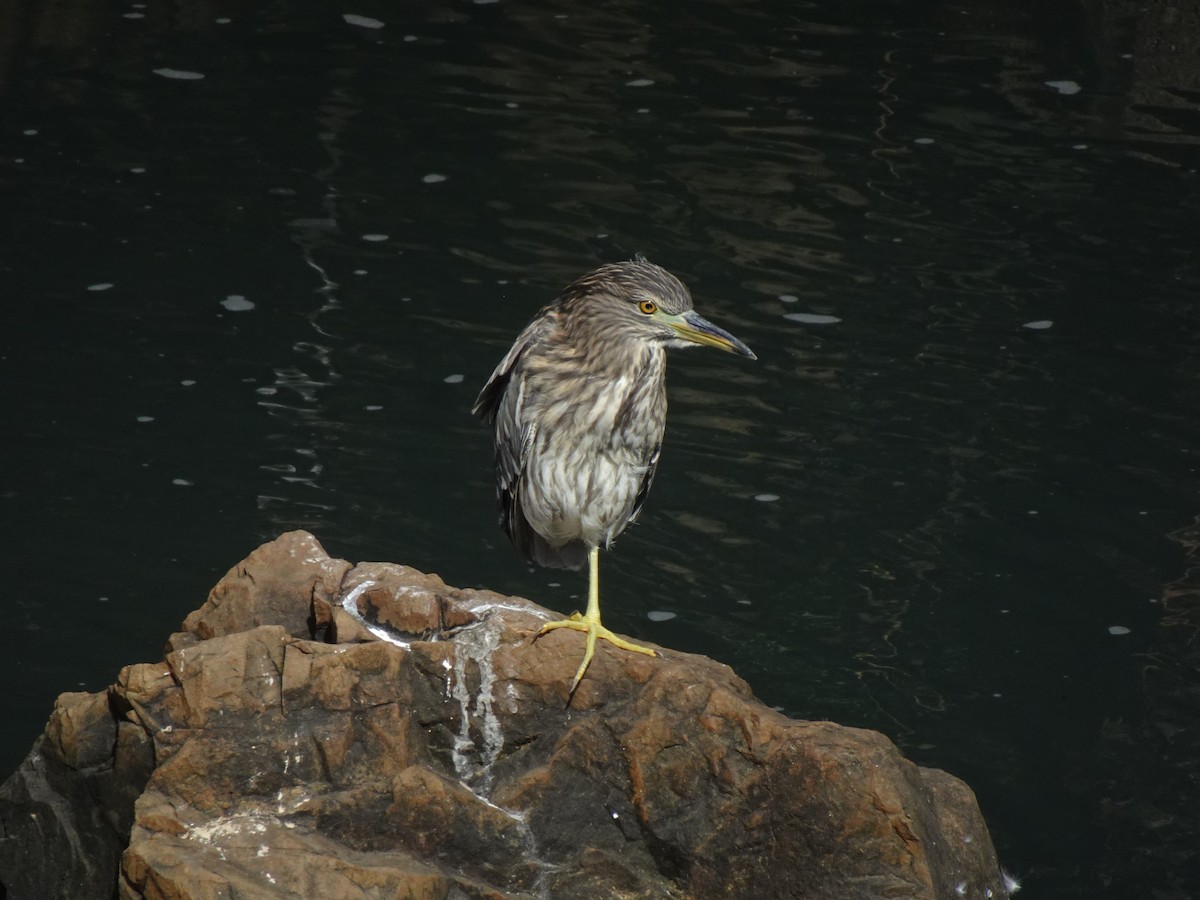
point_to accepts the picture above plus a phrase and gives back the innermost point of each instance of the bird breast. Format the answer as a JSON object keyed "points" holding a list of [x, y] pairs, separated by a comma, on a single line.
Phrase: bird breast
{"points": [[593, 435]]}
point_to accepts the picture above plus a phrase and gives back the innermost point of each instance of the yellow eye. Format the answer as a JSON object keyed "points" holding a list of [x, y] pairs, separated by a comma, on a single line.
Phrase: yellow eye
{"points": [[649, 307]]}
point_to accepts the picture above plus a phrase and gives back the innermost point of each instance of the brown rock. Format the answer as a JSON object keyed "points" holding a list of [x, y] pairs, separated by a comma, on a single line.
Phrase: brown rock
{"points": [[81, 730], [280, 583], [66, 813], [424, 749]]}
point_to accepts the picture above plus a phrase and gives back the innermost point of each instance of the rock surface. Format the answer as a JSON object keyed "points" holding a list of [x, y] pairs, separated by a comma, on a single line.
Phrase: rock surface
{"points": [[326, 730]]}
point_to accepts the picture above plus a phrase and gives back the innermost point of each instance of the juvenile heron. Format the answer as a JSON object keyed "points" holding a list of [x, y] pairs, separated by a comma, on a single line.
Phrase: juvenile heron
{"points": [[579, 405]]}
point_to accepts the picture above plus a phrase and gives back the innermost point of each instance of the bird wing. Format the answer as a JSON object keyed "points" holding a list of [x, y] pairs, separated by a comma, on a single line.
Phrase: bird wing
{"points": [[487, 404], [501, 403], [644, 489]]}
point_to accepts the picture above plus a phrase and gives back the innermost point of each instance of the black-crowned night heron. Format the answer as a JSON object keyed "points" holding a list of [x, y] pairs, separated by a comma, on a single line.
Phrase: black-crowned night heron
{"points": [[579, 405]]}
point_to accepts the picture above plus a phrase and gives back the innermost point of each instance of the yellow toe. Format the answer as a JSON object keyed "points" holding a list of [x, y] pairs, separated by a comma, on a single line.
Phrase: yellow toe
{"points": [[594, 630]]}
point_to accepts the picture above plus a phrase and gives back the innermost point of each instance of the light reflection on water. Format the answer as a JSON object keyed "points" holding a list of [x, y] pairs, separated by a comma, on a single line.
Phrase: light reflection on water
{"points": [[965, 506]]}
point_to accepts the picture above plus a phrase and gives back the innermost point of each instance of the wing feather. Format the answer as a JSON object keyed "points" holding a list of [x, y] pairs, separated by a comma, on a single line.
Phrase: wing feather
{"points": [[647, 479], [502, 404]]}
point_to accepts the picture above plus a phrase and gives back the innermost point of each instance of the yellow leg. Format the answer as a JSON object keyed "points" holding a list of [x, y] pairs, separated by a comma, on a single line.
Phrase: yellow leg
{"points": [[589, 623]]}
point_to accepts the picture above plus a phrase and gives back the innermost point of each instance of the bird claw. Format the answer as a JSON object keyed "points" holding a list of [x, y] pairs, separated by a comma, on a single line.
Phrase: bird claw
{"points": [[593, 629]]}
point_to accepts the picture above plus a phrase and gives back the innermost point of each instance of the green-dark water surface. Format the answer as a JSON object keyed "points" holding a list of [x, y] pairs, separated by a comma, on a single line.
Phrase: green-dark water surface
{"points": [[955, 500]]}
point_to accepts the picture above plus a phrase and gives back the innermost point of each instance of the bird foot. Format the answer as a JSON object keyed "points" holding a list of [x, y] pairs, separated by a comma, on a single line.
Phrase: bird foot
{"points": [[593, 629]]}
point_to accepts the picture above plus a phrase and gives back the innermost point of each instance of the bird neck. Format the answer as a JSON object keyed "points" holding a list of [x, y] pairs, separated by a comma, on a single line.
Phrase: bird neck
{"points": [[637, 359]]}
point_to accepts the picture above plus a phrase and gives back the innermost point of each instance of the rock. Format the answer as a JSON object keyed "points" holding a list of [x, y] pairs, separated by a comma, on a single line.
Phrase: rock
{"points": [[273, 586], [66, 813], [322, 730]]}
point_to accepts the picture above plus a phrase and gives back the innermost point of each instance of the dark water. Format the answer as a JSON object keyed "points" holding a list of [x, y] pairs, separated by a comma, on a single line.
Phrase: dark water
{"points": [[966, 508]]}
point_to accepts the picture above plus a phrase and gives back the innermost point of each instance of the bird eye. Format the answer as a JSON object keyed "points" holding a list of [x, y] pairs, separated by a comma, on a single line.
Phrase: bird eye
{"points": [[649, 307]]}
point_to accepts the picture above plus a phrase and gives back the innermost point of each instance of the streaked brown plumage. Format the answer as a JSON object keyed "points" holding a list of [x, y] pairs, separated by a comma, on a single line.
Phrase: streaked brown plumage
{"points": [[579, 407]]}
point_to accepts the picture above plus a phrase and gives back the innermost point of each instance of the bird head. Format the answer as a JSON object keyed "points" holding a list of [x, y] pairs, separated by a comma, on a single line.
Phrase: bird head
{"points": [[641, 301]]}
